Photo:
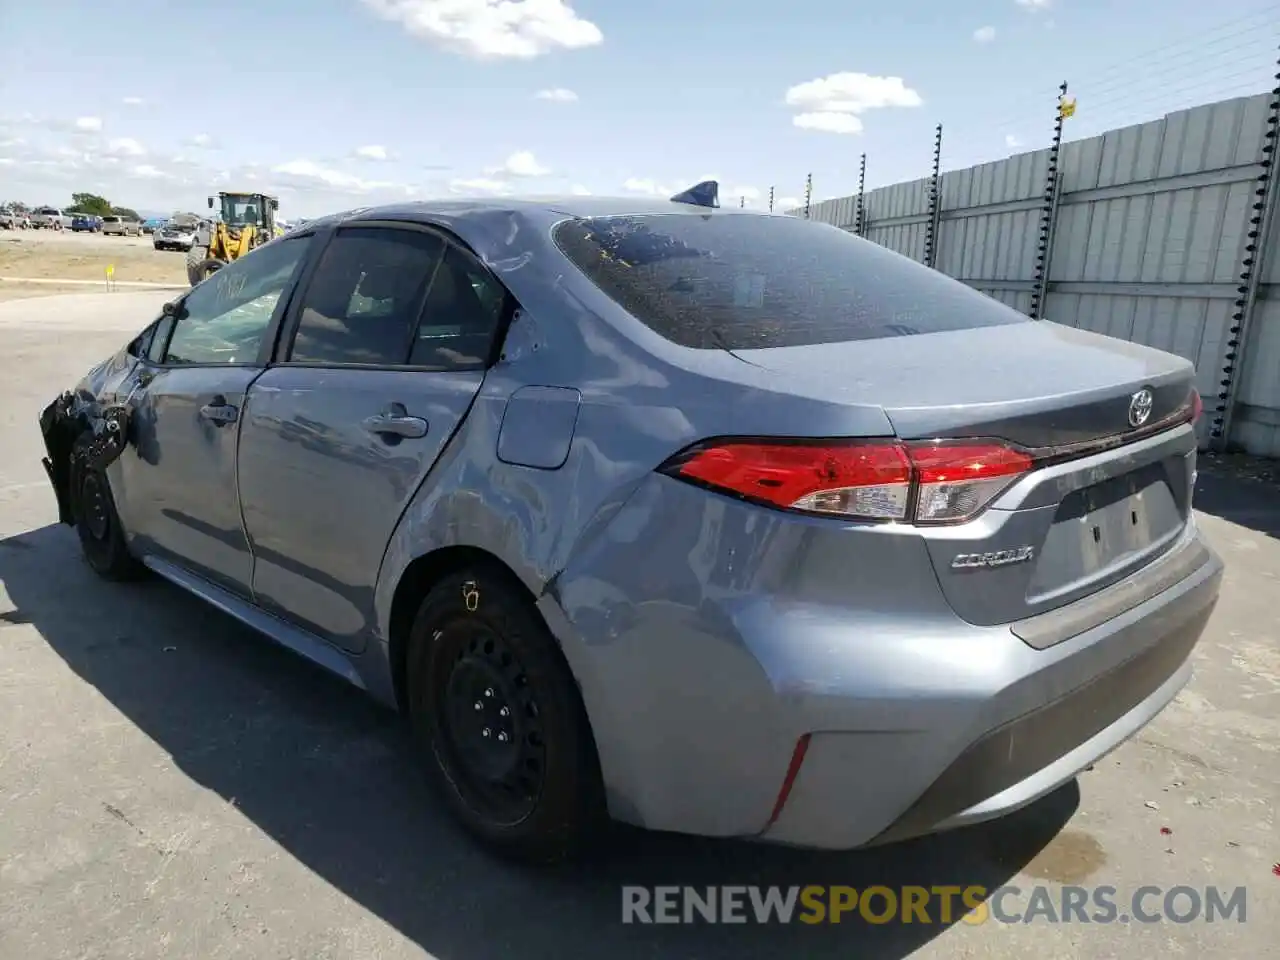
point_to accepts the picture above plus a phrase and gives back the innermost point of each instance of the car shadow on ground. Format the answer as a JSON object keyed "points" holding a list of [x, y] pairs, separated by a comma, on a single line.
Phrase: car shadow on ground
{"points": [[1243, 490], [331, 777]]}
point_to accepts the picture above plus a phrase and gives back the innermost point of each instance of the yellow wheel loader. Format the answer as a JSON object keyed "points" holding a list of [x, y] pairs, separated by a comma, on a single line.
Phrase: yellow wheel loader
{"points": [[244, 221]]}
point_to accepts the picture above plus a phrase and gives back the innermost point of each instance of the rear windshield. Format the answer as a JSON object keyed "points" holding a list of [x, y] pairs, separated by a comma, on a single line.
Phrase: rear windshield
{"points": [[111, 219], [743, 282]]}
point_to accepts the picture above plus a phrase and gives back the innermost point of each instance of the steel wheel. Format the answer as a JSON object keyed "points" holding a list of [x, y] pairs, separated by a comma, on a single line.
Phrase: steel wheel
{"points": [[492, 738], [97, 511]]}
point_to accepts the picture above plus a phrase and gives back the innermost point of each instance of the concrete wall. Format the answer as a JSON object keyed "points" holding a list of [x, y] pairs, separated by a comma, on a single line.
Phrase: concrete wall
{"points": [[1148, 242]]}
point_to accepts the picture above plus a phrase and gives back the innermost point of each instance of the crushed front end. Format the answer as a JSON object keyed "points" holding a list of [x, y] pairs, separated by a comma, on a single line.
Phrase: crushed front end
{"points": [[80, 435]]}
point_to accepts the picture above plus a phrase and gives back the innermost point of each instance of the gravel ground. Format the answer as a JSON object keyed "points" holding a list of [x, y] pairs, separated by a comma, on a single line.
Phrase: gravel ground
{"points": [[63, 255], [173, 786]]}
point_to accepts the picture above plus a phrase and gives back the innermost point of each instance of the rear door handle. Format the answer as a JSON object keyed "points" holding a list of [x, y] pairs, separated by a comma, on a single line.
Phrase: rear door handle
{"points": [[395, 421], [219, 411]]}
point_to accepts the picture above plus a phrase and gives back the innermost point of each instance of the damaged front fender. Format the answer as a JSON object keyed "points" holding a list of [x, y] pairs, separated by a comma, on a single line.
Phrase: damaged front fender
{"points": [[81, 435]]}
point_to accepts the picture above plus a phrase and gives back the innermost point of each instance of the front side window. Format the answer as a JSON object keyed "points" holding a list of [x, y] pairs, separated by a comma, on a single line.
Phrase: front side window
{"points": [[363, 303], [226, 318], [741, 282]]}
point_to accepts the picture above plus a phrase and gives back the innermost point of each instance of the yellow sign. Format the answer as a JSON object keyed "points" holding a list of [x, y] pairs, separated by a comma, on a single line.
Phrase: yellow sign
{"points": [[111, 269], [1067, 108]]}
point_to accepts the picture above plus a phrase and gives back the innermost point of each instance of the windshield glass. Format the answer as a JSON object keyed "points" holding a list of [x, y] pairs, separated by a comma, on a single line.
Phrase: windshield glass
{"points": [[741, 282], [241, 210]]}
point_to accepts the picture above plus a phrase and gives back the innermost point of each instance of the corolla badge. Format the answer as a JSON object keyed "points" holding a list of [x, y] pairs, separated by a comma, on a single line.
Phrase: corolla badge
{"points": [[1140, 405], [995, 558]]}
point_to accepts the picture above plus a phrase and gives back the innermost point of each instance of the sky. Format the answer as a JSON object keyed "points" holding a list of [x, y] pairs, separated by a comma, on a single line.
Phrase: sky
{"points": [[333, 104]]}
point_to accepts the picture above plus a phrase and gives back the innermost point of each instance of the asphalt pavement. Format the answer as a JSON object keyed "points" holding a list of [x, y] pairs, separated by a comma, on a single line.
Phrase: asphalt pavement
{"points": [[172, 786]]}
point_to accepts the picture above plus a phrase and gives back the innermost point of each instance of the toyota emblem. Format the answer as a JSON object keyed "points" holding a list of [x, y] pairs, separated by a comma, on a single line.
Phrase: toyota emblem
{"points": [[1140, 407]]}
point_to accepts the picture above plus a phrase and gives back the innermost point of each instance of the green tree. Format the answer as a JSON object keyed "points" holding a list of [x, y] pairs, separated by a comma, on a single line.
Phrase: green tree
{"points": [[89, 203], [126, 212]]}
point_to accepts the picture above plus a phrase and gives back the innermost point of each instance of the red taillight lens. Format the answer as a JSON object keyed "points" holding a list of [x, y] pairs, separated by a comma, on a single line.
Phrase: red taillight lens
{"points": [[1197, 405], [925, 483], [957, 480], [858, 479]]}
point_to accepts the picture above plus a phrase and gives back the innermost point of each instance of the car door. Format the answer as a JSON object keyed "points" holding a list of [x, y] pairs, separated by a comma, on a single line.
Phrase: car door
{"points": [[180, 480], [383, 354]]}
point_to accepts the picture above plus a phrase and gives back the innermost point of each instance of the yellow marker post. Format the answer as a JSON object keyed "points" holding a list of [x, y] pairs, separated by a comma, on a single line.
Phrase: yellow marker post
{"points": [[110, 272]]}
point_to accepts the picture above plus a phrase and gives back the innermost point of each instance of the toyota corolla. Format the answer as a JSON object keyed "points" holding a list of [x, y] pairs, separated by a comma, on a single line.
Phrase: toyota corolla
{"points": [[706, 520]]}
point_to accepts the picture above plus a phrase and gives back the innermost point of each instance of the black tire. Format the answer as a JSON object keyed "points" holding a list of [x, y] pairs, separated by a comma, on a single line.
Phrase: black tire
{"points": [[102, 538], [196, 254], [203, 270], [537, 796]]}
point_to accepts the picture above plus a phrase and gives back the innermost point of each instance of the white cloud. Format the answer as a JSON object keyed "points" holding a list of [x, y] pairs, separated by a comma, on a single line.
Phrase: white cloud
{"points": [[132, 101], [200, 140], [984, 34], [828, 122], [147, 172], [480, 185], [88, 124], [492, 29], [738, 194], [578, 190], [781, 204], [372, 152], [311, 175], [833, 103], [648, 187], [125, 147], [522, 163], [557, 95], [1011, 141], [1034, 5]]}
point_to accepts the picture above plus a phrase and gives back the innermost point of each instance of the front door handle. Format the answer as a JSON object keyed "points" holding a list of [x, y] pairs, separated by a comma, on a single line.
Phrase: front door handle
{"points": [[218, 411], [395, 421]]}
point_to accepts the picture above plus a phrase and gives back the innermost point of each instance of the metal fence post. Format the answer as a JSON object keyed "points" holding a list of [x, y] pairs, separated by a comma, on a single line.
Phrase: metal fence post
{"points": [[935, 203], [1049, 210], [771, 199], [808, 194], [1261, 217], [858, 221]]}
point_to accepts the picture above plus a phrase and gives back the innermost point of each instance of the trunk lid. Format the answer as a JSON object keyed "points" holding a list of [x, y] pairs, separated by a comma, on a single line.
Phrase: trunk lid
{"points": [[1115, 493]]}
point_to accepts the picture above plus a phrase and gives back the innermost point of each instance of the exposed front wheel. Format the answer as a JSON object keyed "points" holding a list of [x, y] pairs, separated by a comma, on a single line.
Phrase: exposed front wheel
{"points": [[102, 538], [499, 717]]}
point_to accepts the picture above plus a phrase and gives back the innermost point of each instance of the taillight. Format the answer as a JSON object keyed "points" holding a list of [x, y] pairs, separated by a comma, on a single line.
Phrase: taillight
{"points": [[1197, 405], [924, 483]]}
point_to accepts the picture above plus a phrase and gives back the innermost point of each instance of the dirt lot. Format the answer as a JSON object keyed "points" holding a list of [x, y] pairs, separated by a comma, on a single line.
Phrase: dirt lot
{"points": [[45, 254], [173, 786]]}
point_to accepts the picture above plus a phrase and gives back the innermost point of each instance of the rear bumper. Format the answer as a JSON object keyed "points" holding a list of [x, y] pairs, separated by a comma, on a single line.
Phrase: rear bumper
{"points": [[703, 666]]}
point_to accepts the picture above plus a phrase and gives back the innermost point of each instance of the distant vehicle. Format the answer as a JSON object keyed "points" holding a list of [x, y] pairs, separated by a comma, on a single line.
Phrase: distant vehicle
{"points": [[152, 224], [12, 220], [174, 235], [47, 218], [86, 223], [121, 227]]}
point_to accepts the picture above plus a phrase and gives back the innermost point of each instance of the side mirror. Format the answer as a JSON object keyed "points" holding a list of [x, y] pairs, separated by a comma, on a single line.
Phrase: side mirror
{"points": [[211, 203], [170, 309]]}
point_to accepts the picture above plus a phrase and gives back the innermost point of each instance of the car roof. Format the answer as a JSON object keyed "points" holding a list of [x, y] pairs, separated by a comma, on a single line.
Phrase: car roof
{"points": [[547, 208]]}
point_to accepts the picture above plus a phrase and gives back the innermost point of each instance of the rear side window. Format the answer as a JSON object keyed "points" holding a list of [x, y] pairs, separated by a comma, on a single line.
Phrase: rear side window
{"points": [[737, 282]]}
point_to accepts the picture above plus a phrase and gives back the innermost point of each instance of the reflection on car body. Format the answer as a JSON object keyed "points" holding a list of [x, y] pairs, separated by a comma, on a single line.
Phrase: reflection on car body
{"points": [[663, 512]]}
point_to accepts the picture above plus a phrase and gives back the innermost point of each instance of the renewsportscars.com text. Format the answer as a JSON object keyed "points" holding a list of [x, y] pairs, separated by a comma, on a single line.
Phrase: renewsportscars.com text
{"points": [[935, 904]]}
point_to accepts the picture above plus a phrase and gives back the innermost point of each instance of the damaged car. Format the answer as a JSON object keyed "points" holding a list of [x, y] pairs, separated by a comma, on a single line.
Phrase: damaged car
{"points": [[652, 510]]}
